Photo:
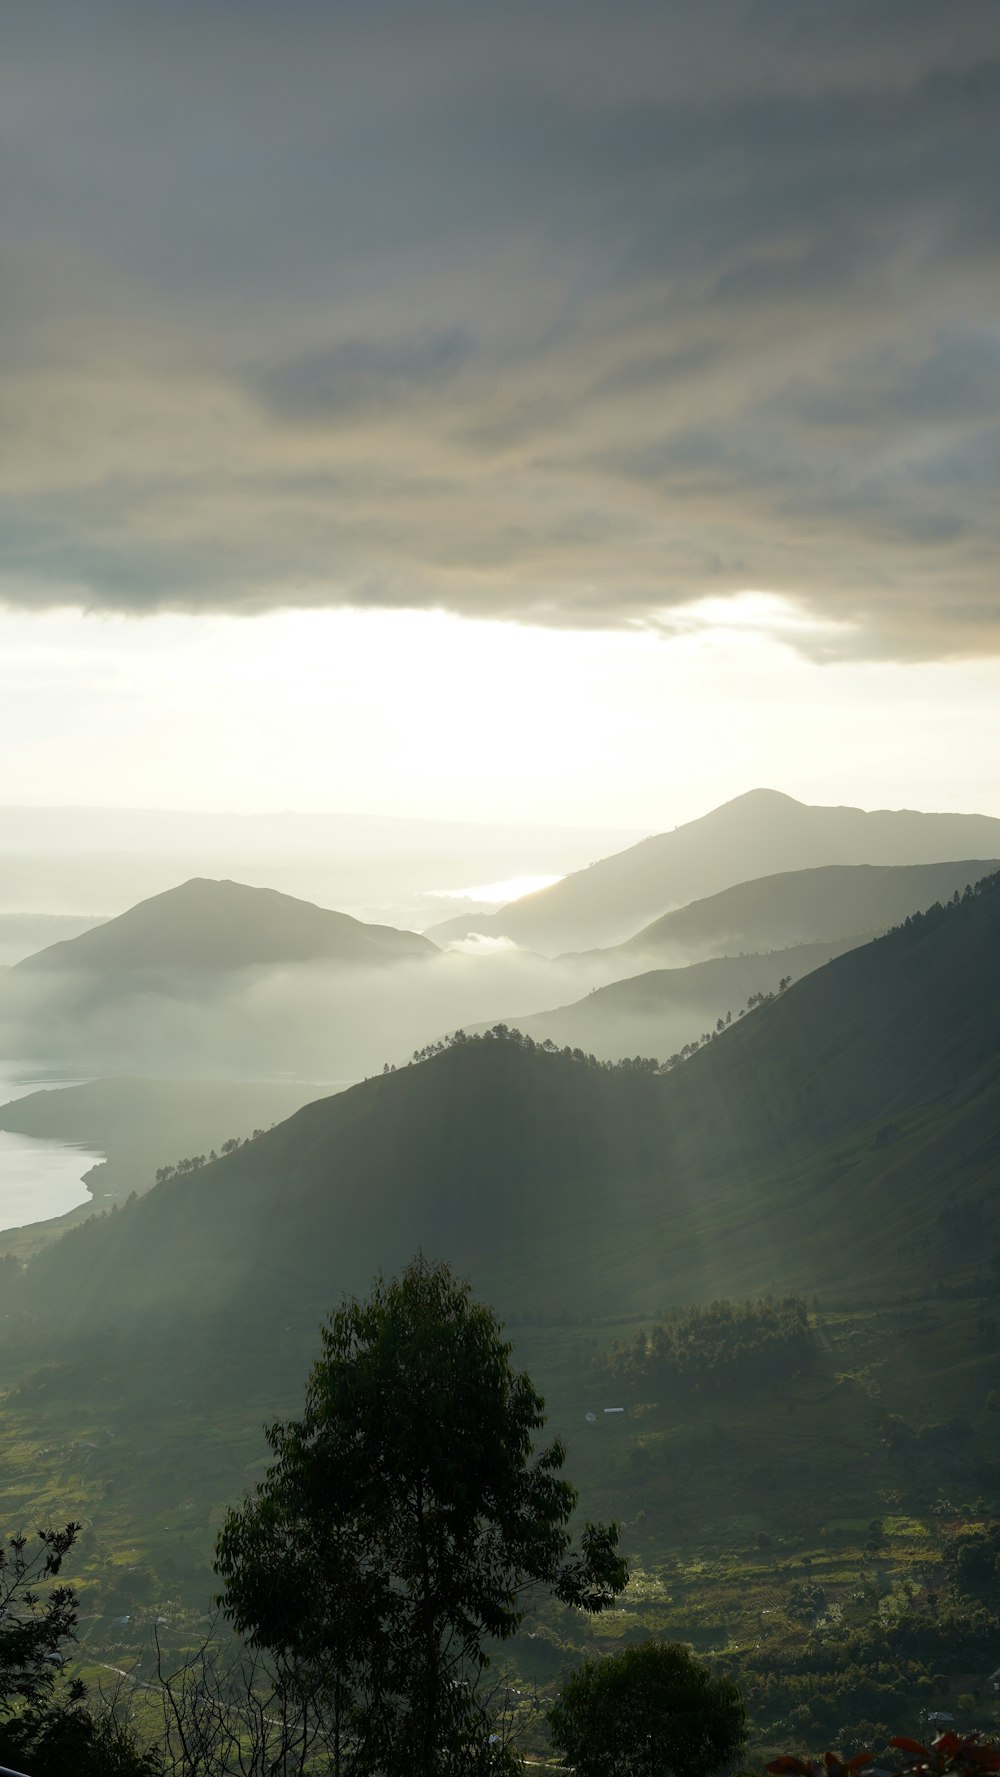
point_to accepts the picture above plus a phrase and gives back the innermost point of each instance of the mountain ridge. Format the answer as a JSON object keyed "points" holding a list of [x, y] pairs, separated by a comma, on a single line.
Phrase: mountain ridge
{"points": [[656, 1011], [826, 903], [715, 955], [855, 1098], [761, 833]]}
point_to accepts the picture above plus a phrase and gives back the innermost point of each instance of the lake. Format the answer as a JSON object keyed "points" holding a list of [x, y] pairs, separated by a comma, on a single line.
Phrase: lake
{"points": [[38, 1179]]}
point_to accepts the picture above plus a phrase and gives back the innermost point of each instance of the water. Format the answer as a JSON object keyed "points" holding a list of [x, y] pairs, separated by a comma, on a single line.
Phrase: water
{"points": [[38, 1179]]}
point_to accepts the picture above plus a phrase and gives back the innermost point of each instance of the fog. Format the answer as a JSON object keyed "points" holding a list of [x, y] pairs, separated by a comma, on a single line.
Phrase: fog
{"points": [[410, 873], [318, 1021]]}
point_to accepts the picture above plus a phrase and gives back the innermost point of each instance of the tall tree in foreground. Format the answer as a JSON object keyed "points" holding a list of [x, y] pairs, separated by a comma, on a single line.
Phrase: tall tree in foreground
{"points": [[650, 1711], [401, 1523]]}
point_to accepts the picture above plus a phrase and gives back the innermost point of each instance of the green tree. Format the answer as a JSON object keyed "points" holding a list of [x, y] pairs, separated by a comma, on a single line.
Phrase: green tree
{"points": [[404, 1517], [34, 1628], [44, 1725], [65, 1740], [649, 1711]]}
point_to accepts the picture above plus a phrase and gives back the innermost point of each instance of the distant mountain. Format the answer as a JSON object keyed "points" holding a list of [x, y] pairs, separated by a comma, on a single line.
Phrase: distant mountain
{"points": [[819, 906], [659, 1011], [746, 940], [208, 926], [805, 1145], [755, 835]]}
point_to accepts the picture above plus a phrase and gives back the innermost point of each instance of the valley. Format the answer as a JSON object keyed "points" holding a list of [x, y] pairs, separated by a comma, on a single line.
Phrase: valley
{"points": [[834, 1142]]}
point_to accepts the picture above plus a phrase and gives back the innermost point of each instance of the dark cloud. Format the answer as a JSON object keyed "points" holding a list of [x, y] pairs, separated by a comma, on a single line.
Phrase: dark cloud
{"points": [[957, 382], [568, 313], [361, 376]]}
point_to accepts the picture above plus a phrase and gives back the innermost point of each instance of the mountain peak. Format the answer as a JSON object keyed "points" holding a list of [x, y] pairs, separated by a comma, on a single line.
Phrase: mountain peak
{"points": [[761, 797], [210, 924], [762, 832]]}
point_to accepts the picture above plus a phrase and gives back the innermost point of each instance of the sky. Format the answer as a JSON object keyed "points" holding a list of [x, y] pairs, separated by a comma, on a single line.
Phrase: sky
{"points": [[557, 411]]}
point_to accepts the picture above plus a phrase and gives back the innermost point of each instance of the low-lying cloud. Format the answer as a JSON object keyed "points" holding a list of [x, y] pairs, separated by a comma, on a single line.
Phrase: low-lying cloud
{"points": [[320, 1021], [568, 317]]}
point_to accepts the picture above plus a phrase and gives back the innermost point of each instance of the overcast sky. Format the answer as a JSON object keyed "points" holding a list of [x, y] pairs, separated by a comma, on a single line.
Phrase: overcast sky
{"points": [[566, 408]]}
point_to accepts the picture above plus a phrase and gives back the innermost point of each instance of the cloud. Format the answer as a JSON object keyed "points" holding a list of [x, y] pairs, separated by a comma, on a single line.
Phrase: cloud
{"points": [[570, 317], [320, 1021], [481, 944], [361, 376]]}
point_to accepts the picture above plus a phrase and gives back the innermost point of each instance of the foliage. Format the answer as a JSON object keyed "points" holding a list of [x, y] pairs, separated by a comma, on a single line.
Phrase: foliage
{"points": [[974, 1557], [67, 1741], [627, 1064], [963, 1754], [503, 1033], [195, 1162], [721, 1345], [45, 1724], [403, 1518], [916, 923], [33, 1628], [219, 1711], [649, 1711]]}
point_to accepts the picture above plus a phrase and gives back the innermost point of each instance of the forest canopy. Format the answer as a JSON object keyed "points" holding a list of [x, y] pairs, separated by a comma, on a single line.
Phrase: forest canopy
{"points": [[719, 1346]]}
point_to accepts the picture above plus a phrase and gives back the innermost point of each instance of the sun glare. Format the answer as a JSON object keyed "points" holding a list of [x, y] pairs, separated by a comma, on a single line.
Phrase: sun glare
{"points": [[496, 893]]}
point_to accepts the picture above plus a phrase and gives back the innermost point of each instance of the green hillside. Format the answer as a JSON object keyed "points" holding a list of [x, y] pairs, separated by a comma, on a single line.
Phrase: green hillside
{"points": [[787, 1149], [207, 925], [802, 907]]}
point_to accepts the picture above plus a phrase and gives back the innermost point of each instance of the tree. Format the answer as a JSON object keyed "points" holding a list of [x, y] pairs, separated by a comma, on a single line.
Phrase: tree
{"points": [[649, 1711], [33, 1628], [43, 1723], [401, 1523]]}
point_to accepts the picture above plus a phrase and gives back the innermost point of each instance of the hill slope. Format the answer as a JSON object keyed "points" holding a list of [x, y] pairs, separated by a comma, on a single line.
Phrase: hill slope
{"points": [[739, 943], [22, 934], [798, 1147], [758, 834], [659, 1011], [207, 925], [831, 902], [141, 1125]]}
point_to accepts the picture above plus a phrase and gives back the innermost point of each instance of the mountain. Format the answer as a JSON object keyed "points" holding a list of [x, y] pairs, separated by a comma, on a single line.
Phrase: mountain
{"points": [[805, 1145], [21, 934], [215, 926], [659, 1011], [833, 902], [758, 834], [747, 939]]}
